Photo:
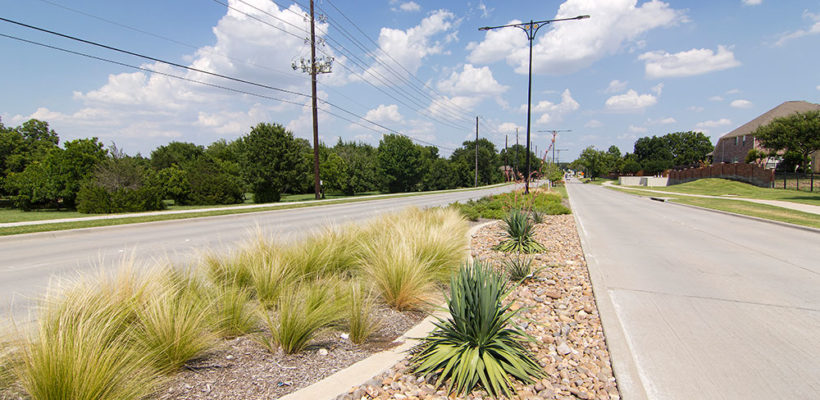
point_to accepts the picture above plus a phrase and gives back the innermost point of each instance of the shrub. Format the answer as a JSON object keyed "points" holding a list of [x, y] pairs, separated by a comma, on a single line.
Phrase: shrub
{"points": [[475, 345], [300, 314], [518, 268], [537, 216], [519, 229], [120, 184], [361, 323]]}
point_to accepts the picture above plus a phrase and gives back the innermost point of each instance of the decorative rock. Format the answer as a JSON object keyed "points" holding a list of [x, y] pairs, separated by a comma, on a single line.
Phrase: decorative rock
{"points": [[323, 352]]}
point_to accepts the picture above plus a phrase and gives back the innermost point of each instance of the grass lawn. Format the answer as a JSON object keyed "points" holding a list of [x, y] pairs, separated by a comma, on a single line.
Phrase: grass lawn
{"points": [[724, 187], [764, 211]]}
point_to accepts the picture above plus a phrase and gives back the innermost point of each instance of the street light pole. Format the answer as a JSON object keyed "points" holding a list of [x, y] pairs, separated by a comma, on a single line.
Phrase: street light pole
{"points": [[530, 29]]}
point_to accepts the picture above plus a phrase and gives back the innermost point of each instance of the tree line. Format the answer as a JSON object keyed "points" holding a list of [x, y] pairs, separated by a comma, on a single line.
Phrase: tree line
{"points": [[267, 162], [651, 155]]}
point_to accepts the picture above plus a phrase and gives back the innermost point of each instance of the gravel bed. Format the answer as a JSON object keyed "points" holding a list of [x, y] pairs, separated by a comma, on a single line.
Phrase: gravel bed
{"points": [[559, 312], [241, 368]]}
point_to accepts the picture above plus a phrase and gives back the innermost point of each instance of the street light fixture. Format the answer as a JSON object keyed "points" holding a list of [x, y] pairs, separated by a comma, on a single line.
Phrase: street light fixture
{"points": [[530, 29]]}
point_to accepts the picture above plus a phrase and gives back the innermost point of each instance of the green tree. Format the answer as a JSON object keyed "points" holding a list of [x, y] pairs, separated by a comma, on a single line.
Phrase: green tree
{"points": [[210, 184], [120, 184], [400, 163], [797, 133], [516, 156], [362, 166], [613, 160], [463, 160], [175, 153], [688, 148], [272, 161], [594, 162], [24, 145]]}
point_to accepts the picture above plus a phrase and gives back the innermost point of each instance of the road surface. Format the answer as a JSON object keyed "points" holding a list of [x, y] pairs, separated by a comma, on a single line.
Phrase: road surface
{"points": [[702, 305], [29, 262]]}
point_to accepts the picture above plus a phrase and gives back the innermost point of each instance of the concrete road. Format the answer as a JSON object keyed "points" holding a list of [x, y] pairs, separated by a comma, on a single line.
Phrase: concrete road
{"points": [[29, 262], [702, 305]]}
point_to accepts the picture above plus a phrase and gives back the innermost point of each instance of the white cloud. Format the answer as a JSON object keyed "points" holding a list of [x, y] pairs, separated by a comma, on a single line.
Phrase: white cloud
{"points": [[818, 87], [410, 47], [716, 98], [485, 12], [714, 123], [752, 2], [573, 45], [657, 89], [615, 86], [733, 91], [509, 128], [443, 106], [383, 113], [696, 108], [410, 6], [813, 30], [593, 123], [660, 64], [637, 129], [662, 121], [740, 103], [472, 81], [630, 101], [550, 111]]}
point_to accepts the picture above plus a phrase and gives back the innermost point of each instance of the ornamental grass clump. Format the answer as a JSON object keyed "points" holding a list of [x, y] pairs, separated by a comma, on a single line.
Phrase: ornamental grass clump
{"points": [[360, 319], [300, 314], [233, 313], [477, 345], [519, 230]]}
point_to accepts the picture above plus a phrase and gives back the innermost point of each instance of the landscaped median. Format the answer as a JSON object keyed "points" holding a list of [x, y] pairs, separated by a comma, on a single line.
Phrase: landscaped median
{"points": [[269, 319]]}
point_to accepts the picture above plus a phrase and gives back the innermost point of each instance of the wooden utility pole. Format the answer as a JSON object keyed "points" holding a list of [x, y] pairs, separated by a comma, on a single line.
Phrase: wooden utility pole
{"points": [[315, 106], [476, 152], [506, 160], [516, 153]]}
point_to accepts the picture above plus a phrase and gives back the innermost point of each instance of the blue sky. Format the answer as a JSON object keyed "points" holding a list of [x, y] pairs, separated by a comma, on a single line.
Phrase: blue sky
{"points": [[635, 68]]}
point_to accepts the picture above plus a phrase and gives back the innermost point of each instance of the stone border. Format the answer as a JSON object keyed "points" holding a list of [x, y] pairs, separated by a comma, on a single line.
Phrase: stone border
{"points": [[360, 372]]}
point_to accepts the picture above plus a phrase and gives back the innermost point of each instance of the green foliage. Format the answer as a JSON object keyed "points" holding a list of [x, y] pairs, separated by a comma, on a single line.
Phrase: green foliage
{"points": [[361, 164], [400, 163], [272, 161], [497, 206], [755, 156], [233, 312], [519, 230], [595, 162], [210, 184], [516, 157], [120, 184], [301, 313], [475, 346], [175, 153], [463, 160], [537, 216], [798, 133], [552, 172], [518, 268], [658, 153], [440, 175]]}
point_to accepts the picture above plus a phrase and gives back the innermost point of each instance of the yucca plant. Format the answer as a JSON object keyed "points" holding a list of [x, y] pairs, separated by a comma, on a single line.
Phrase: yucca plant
{"points": [[519, 230], [518, 268], [477, 345], [301, 313], [361, 322], [537, 216]]}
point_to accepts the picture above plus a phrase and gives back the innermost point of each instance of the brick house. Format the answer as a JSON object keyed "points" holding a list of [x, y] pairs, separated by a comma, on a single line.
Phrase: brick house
{"points": [[733, 146]]}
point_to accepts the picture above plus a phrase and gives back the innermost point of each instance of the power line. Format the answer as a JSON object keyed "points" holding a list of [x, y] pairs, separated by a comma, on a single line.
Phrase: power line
{"points": [[222, 87]]}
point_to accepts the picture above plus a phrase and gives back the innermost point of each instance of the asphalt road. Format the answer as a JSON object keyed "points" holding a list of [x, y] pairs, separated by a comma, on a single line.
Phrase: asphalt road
{"points": [[702, 305], [29, 262]]}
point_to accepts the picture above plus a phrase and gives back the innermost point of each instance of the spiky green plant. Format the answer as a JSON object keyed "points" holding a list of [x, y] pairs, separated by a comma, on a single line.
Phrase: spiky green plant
{"points": [[518, 268], [328, 252], [519, 230], [300, 314], [172, 328], [537, 216], [360, 319], [271, 278], [477, 345]]}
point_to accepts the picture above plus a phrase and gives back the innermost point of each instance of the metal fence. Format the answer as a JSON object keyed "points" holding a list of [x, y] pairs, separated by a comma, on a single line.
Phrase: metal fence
{"points": [[806, 182]]}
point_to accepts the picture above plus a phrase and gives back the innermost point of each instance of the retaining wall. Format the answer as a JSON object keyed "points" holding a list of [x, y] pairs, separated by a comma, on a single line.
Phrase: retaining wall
{"points": [[749, 173]]}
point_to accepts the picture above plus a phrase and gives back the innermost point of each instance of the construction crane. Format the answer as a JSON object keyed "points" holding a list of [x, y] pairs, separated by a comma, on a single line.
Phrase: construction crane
{"points": [[552, 143]]}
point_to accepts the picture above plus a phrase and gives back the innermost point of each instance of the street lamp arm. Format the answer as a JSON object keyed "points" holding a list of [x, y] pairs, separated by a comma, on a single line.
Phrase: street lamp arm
{"points": [[538, 23]]}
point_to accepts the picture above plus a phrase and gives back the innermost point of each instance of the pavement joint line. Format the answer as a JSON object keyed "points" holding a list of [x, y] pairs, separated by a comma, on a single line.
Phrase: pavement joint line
{"points": [[691, 296], [357, 374], [628, 375]]}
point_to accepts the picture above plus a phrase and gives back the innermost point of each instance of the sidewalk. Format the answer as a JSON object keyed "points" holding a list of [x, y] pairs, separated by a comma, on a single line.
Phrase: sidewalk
{"points": [[806, 208]]}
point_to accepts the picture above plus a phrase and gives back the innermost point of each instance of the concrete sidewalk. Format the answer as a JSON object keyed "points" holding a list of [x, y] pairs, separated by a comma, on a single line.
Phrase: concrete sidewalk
{"points": [[807, 208]]}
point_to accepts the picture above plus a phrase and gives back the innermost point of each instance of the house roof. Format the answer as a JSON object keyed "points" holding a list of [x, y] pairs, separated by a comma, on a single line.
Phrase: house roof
{"points": [[783, 110]]}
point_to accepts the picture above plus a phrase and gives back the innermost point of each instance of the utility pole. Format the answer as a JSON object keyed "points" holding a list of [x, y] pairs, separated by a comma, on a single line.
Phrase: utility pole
{"points": [[476, 152], [531, 29], [314, 68], [552, 145], [559, 155], [506, 160], [516, 153]]}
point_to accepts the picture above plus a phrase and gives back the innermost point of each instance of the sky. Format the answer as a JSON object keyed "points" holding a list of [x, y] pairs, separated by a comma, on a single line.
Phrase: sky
{"points": [[420, 68]]}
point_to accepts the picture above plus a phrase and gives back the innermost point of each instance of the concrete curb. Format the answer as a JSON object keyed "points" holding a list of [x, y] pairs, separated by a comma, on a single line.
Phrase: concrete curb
{"points": [[360, 372], [626, 373]]}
